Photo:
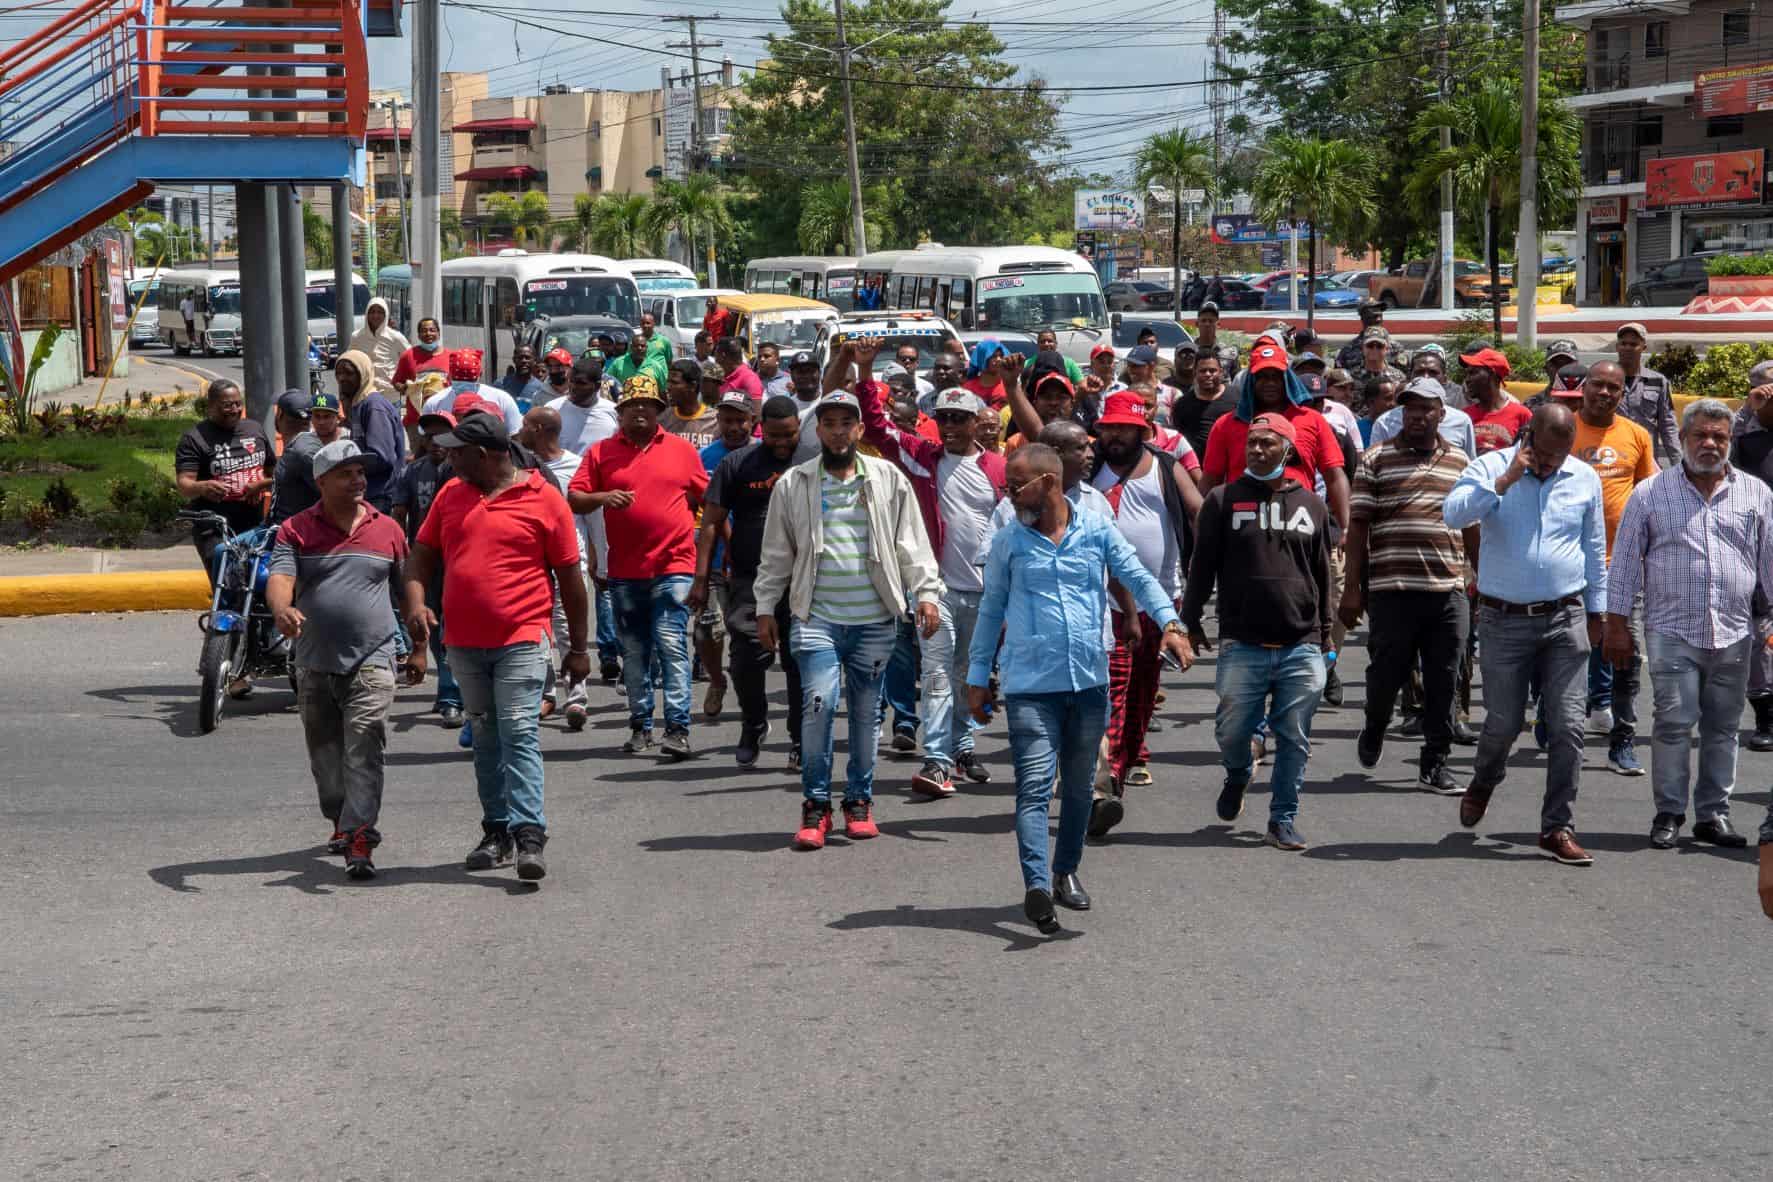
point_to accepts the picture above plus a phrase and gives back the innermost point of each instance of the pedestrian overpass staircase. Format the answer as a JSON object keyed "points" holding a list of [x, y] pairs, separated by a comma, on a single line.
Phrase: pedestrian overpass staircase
{"points": [[112, 96]]}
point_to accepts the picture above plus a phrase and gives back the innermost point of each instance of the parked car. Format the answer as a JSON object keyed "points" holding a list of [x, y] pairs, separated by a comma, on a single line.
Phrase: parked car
{"points": [[1355, 281], [1404, 288], [1672, 283], [1325, 295], [1262, 282], [1240, 297], [1138, 296]]}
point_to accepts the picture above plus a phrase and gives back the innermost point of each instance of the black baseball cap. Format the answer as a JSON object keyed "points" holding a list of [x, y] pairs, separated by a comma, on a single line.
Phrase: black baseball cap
{"points": [[295, 401], [802, 358], [324, 401], [476, 430]]}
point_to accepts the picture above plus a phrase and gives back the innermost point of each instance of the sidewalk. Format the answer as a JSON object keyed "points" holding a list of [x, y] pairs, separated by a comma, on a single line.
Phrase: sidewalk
{"points": [[160, 377], [76, 560]]}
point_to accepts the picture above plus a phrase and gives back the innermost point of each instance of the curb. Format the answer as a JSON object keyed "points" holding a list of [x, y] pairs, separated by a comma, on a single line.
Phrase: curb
{"points": [[146, 591]]}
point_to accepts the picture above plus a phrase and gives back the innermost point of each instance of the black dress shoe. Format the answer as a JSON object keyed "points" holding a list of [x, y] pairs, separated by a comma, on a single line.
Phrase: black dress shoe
{"points": [[1037, 905], [1464, 733], [1717, 831], [1369, 746], [1105, 814], [1069, 892], [1332, 687], [1664, 829]]}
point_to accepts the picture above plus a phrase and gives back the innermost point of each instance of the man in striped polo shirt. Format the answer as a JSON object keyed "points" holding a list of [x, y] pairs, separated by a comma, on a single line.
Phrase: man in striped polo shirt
{"points": [[1413, 563], [845, 542]]}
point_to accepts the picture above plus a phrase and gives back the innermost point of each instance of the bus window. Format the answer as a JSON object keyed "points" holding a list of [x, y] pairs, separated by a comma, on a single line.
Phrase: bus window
{"points": [[506, 301], [960, 311]]}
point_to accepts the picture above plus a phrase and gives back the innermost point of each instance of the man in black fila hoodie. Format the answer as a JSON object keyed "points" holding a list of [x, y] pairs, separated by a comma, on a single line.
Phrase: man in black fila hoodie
{"points": [[1263, 539]]}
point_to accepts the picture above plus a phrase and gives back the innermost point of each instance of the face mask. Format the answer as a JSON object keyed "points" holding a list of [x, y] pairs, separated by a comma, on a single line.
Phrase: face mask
{"points": [[427, 346], [1266, 476]]}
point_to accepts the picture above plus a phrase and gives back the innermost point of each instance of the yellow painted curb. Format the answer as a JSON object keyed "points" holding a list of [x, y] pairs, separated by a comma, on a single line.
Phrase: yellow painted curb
{"points": [[145, 591]]}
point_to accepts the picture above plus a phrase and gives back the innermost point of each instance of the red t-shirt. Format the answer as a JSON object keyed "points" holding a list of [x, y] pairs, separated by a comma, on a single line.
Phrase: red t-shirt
{"points": [[1497, 429], [718, 323], [497, 552], [994, 396], [656, 535], [412, 363], [1316, 451]]}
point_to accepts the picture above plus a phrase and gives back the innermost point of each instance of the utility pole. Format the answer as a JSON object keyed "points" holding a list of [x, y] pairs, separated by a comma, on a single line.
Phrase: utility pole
{"points": [[1526, 251], [427, 143], [210, 209], [698, 160], [399, 181], [858, 231], [1443, 69]]}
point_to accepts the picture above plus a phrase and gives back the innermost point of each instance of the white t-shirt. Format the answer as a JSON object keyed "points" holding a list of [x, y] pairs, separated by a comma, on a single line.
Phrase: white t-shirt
{"points": [[965, 499], [582, 426], [444, 401], [1144, 522]]}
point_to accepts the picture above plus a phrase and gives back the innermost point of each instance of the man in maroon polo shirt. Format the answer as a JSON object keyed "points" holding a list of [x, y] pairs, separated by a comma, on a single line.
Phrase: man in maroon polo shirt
{"points": [[649, 484], [500, 531], [331, 571]]}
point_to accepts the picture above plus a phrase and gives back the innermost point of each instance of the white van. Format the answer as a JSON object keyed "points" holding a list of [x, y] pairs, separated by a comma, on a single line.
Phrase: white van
{"points": [[215, 323], [1010, 288]]}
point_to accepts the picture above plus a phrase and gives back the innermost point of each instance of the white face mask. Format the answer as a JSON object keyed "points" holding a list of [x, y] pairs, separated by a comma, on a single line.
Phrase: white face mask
{"points": [[1266, 476]]}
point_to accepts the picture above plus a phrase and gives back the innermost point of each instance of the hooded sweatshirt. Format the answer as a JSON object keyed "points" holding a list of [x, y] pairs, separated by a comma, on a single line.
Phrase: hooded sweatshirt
{"points": [[383, 347], [1317, 448], [1268, 550], [983, 352], [376, 426]]}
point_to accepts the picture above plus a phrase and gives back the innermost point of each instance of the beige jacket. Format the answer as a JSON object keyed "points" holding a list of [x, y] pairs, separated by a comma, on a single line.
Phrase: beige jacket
{"points": [[900, 564]]}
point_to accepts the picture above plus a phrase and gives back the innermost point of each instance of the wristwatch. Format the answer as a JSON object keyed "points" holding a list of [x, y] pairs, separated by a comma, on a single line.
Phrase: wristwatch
{"points": [[1176, 627]]}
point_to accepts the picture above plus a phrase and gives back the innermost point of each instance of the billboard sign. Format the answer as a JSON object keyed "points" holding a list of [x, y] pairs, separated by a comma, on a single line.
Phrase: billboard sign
{"points": [[1740, 90], [1718, 177], [680, 116], [1107, 209], [1232, 229]]}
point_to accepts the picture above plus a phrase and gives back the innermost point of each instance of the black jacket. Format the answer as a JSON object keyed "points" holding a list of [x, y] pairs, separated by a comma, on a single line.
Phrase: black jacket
{"points": [[1268, 550]]}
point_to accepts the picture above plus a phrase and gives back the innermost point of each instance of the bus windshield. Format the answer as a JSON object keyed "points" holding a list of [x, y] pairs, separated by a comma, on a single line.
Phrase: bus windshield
{"points": [[799, 332], [1029, 303], [583, 295], [223, 301], [321, 305], [665, 283]]}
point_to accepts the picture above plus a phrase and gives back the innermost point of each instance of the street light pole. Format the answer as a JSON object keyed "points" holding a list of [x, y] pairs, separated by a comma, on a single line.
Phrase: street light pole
{"points": [[426, 247], [858, 230], [1526, 251]]}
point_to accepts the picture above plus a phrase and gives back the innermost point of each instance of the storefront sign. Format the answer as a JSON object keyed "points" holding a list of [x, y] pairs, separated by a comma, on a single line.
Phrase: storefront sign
{"points": [[1607, 236], [119, 289], [1606, 211], [1107, 209], [1234, 228], [1705, 180], [1740, 90]]}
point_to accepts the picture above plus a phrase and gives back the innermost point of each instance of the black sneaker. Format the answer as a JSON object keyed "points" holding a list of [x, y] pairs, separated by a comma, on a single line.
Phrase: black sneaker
{"points": [[494, 849], [1282, 835], [357, 855], [611, 671], [968, 765], [1333, 687], [1412, 726], [750, 743], [1434, 777], [676, 744], [794, 758], [1369, 746], [639, 741], [530, 864], [450, 717], [339, 842], [1231, 800], [905, 742]]}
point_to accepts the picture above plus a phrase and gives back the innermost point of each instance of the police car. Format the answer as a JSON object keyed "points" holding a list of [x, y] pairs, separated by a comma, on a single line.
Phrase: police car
{"points": [[927, 332]]}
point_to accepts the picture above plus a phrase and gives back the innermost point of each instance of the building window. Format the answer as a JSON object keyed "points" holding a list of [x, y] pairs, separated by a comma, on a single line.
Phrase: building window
{"points": [[1656, 39], [1648, 131], [1736, 27], [45, 297], [597, 129], [658, 128], [1721, 126]]}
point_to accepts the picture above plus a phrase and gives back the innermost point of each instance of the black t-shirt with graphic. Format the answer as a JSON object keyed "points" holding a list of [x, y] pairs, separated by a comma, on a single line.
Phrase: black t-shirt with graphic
{"points": [[741, 485], [235, 457]]}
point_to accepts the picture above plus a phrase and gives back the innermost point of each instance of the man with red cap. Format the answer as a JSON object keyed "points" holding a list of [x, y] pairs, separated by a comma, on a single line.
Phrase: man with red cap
{"points": [[1271, 387], [1496, 417], [1154, 501], [464, 378], [1264, 540]]}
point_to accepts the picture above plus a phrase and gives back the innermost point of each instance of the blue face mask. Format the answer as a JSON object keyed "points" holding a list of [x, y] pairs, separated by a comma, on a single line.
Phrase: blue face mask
{"points": [[1266, 476]]}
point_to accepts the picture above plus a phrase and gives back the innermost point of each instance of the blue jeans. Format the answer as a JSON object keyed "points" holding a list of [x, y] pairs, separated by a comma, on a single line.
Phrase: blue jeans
{"points": [[947, 725], [609, 641], [1054, 734], [1246, 677], [502, 694], [899, 688], [860, 651], [653, 616], [1703, 687], [448, 692]]}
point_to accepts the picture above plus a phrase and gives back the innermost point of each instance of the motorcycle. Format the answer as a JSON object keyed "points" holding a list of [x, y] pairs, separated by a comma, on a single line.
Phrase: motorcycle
{"points": [[240, 637]]}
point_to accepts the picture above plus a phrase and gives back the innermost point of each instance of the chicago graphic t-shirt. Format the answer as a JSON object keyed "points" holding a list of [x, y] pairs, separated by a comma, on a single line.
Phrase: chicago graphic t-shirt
{"points": [[235, 457]]}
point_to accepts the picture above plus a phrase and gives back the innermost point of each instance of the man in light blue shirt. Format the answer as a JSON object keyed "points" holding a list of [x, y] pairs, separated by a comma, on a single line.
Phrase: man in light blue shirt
{"points": [[1044, 584], [1542, 589]]}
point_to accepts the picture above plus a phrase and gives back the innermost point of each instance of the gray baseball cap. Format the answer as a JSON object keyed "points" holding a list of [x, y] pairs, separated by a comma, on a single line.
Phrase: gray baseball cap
{"points": [[345, 451], [959, 399], [838, 398], [1424, 387]]}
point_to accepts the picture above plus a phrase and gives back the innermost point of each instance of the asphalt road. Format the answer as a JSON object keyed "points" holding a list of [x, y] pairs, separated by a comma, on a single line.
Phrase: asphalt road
{"points": [[192, 990]]}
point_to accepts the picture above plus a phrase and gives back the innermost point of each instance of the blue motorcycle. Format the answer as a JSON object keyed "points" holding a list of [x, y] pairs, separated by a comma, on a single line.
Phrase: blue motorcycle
{"points": [[240, 637]]}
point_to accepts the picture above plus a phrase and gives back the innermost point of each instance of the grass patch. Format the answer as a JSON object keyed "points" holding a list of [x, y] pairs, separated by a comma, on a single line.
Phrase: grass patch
{"points": [[142, 453]]}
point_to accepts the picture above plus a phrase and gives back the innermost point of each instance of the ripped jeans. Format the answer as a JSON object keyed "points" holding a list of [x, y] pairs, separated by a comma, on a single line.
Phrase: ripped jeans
{"points": [[861, 652]]}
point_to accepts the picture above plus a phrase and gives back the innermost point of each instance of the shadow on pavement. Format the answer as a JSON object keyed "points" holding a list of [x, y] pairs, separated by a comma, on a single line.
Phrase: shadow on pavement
{"points": [[313, 871], [1634, 843], [1216, 837], [1454, 845], [177, 704], [1004, 923], [914, 829]]}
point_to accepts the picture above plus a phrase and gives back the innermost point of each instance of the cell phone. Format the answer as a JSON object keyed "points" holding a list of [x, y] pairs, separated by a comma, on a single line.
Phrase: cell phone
{"points": [[1525, 439]]}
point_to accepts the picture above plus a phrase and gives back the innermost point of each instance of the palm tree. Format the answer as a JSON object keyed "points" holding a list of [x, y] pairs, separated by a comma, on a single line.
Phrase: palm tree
{"points": [[1175, 160], [1485, 160], [614, 224], [824, 216], [1324, 181], [524, 214], [694, 208]]}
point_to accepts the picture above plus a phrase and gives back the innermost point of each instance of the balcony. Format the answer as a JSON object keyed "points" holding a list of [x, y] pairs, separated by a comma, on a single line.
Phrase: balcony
{"points": [[1631, 167], [506, 156]]}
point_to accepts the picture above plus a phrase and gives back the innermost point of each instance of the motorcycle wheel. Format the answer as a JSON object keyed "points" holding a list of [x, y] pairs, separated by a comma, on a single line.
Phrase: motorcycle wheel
{"points": [[215, 669]]}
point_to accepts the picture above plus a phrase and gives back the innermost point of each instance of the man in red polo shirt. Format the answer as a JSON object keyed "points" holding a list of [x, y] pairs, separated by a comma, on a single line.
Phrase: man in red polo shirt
{"points": [[717, 322], [649, 484], [739, 375], [500, 532]]}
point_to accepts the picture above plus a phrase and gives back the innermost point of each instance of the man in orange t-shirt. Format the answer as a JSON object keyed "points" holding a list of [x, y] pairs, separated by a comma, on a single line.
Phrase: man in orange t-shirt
{"points": [[1622, 455]]}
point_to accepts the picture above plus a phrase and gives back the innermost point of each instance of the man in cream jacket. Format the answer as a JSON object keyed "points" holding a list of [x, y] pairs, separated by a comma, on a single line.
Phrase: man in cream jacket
{"points": [[845, 542]]}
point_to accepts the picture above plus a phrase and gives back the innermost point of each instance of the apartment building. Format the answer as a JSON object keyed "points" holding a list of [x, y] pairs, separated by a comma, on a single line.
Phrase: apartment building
{"points": [[1677, 126]]}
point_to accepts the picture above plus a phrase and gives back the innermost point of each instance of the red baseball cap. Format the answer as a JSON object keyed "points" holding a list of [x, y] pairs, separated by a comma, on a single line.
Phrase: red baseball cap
{"points": [[1487, 358], [467, 404], [1124, 408], [1267, 354], [560, 355], [1055, 376], [1279, 424], [1104, 347]]}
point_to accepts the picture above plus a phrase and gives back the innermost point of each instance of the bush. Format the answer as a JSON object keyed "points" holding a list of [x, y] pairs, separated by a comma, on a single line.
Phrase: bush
{"points": [[1675, 363], [119, 527], [61, 500], [1723, 371], [160, 504], [1741, 264]]}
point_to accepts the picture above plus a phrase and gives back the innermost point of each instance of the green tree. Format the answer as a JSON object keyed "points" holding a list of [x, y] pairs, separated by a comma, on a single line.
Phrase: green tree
{"points": [[523, 215], [1176, 160], [316, 237], [1485, 161], [616, 224], [947, 164], [693, 208], [1322, 181]]}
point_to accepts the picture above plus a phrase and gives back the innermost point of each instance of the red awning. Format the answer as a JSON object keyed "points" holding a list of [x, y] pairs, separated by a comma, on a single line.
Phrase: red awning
{"points": [[497, 125], [512, 172], [387, 133]]}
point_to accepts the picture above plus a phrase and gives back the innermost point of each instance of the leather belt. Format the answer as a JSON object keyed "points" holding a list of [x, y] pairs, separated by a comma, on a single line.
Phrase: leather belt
{"points": [[1544, 607]]}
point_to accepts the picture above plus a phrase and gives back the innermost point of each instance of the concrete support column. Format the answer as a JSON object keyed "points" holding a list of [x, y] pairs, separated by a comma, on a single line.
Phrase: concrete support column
{"points": [[261, 279], [341, 262], [294, 304]]}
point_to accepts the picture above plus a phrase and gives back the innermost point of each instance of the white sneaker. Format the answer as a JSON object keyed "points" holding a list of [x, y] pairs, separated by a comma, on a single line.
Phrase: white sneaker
{"points": [[1600, 722]]}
